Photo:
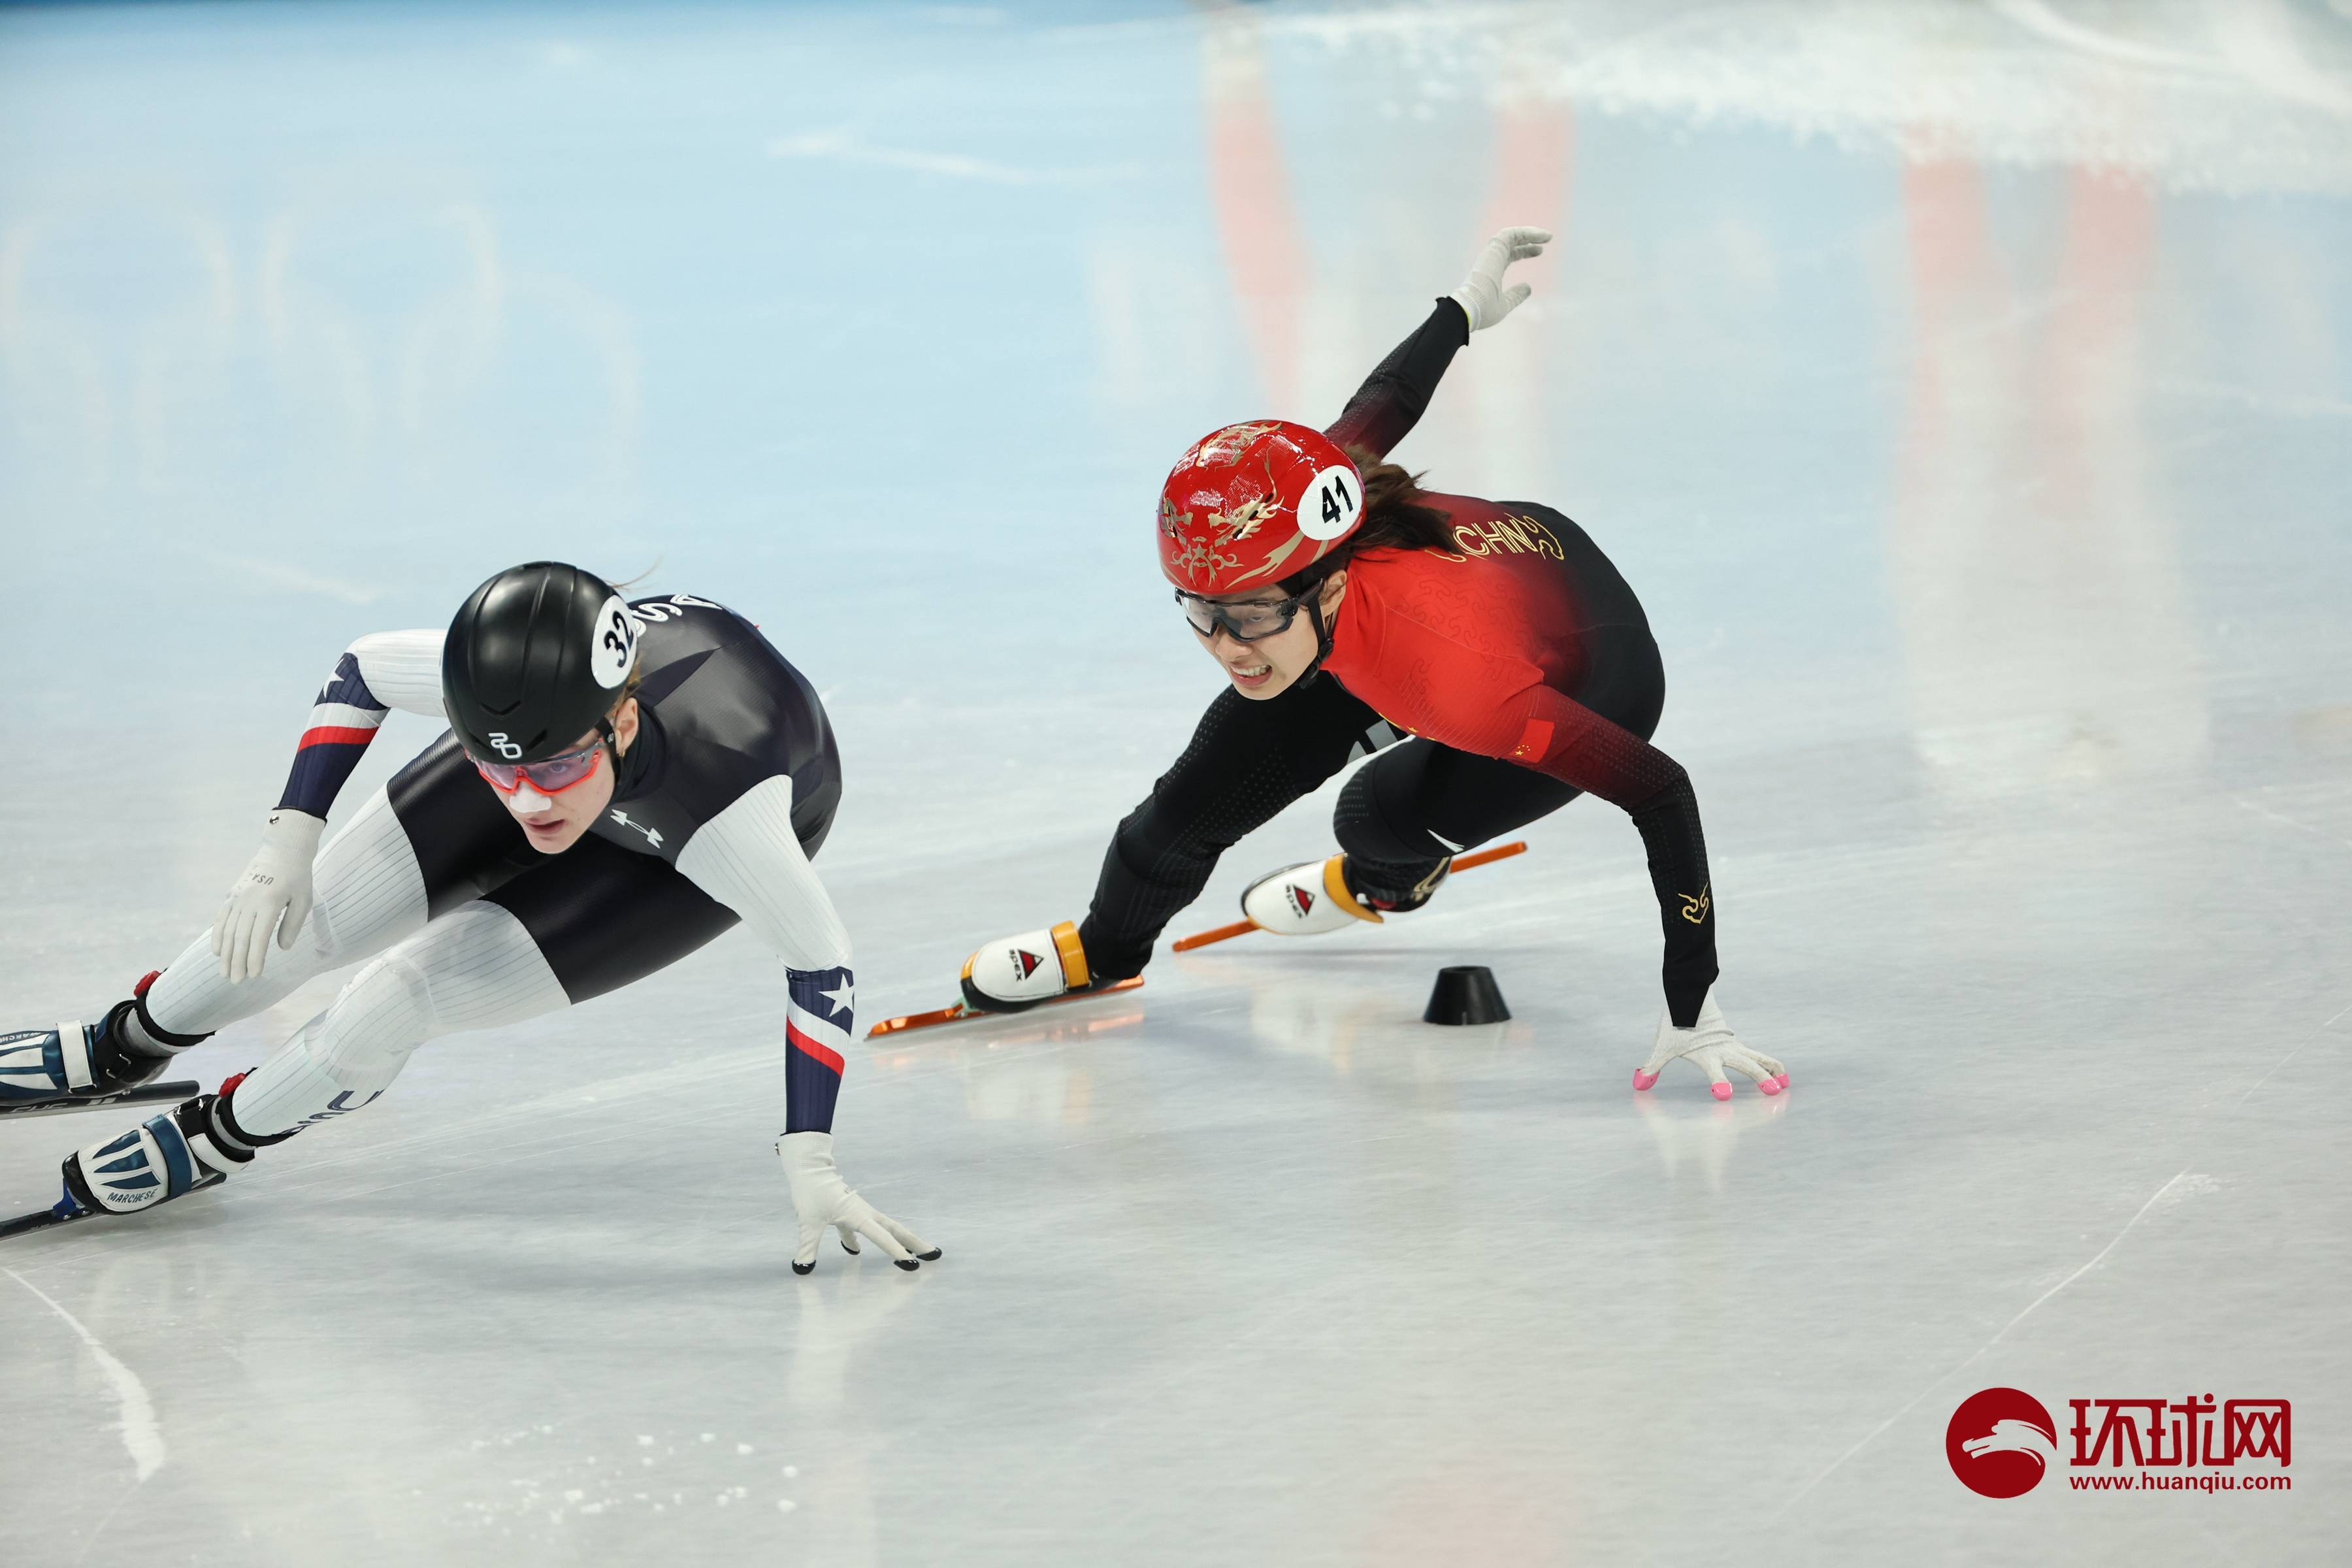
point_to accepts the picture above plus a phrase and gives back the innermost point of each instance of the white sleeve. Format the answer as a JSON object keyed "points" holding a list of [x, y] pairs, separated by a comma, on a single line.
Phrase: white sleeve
{"points": [[402, 669], [749, 858]]}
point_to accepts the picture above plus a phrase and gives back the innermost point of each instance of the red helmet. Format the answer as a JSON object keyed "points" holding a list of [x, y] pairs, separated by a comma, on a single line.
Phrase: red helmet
{"points": [[1252, 504]]}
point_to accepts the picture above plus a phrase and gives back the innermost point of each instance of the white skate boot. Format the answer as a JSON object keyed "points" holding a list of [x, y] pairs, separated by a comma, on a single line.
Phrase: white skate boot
{"points": [[1306, 900], [1315, 897], [1015, 972]]}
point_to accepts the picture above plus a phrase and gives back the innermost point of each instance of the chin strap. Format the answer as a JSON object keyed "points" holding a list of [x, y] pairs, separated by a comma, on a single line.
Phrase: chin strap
{"points": [[1322, 633]]}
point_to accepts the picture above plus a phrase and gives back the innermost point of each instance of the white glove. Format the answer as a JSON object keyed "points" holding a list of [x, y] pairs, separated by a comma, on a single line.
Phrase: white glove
{"points": [[1482, 296], [1710, 1045], [274, 894], [821, 1198]]}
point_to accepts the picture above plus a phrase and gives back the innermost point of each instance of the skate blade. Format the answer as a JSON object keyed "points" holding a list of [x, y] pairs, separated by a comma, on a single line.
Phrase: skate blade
{"points": [[173, 1092], [67, 1211], [964, 1011]]}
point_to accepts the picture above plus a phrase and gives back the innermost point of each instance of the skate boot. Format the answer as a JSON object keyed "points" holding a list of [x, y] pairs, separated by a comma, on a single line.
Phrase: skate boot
{"points": [[164, 1157], [1016, 973], [1317, 896], [74, 1061]]}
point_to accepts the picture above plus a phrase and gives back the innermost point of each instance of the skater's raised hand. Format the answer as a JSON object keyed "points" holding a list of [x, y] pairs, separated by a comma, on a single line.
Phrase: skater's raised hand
{"points": [[1710, 1046], [821, 1198], [273, 897], [1482, 296]]}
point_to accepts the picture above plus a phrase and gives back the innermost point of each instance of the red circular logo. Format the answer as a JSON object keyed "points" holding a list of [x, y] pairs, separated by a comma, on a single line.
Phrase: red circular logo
{"points": [[2000, 1442]]}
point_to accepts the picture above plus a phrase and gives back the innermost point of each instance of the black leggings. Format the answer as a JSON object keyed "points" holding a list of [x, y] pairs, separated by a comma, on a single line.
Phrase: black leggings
{"points": [[1398, 819], [602, 916]]}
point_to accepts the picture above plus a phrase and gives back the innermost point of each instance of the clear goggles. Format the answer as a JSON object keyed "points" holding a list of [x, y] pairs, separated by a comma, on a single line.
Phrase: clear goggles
{"points": [[1246, 621], [553, 777]]}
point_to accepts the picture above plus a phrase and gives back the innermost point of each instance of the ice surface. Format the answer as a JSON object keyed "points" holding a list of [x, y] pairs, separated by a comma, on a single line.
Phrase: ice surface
{"points": [[1966, 393]]}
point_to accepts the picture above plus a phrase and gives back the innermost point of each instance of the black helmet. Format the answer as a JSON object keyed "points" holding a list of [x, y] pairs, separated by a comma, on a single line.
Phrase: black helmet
{"points": [[534, 660]]}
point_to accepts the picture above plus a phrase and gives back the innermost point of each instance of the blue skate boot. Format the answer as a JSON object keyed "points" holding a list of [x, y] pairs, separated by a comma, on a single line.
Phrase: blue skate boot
{"points": [[77, 1067], [183, 1150]]}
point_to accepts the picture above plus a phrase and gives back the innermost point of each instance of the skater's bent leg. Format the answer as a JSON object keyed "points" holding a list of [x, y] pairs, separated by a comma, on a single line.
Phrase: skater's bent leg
{"points": [[1404, 814], [433, 838], [474, 968], [370, 894], [367, 894], [589, 920]]}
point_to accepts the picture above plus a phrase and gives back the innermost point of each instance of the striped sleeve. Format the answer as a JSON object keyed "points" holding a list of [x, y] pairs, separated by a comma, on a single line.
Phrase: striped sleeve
{"points": [[380, 672], [819, 1011], [403, 669], [344, 720], [749, 858]]}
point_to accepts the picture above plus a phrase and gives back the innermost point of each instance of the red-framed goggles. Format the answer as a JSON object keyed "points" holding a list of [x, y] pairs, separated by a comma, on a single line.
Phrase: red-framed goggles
{"points": [[1246, 621], [553, 777]]}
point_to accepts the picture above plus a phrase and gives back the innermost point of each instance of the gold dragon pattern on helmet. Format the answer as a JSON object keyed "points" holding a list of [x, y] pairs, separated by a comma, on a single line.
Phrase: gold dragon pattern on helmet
{"points": [[1209, 523]]}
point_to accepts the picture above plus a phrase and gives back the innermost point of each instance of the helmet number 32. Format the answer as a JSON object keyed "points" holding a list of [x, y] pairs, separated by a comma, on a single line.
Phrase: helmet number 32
{"points": [[616, 647], [1333, 503]]}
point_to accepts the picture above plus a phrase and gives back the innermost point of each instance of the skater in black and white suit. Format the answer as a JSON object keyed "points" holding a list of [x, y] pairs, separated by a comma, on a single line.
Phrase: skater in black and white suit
{"points": [[621, 783]]}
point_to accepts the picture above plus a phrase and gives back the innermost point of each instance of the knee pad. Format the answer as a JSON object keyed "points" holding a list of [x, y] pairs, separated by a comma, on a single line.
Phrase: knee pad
{"points": [[475, 968], [298, 1085], [384, 1013]]}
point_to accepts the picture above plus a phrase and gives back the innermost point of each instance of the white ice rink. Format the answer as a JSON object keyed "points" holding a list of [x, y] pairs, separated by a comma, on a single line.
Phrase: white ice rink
{"points": [[1966, 391]]}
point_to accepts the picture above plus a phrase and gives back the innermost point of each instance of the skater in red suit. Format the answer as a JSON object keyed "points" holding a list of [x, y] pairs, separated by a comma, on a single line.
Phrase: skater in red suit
{"points": [[1487, 650]]}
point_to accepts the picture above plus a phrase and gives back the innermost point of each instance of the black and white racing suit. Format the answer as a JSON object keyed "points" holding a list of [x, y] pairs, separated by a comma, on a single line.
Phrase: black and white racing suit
{"points": [[726, 792]]}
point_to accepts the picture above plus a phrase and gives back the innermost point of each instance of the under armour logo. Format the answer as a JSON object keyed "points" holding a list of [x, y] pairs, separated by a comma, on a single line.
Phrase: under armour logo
{"points": [[653, 835]]}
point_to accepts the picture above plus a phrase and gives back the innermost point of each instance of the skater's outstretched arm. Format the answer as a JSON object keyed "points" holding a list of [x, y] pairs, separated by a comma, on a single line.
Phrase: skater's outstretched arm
{"points": [[272, 898], [1497, 705], [1395, 396], [749, 859], [1561, 737], [1245, 762]]}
